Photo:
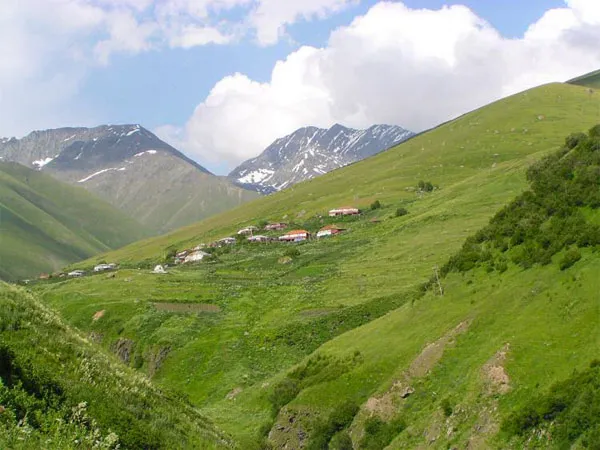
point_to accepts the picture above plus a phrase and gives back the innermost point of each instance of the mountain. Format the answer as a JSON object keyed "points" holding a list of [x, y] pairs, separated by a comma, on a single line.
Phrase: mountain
{"points": [[132, 169], [310, 152], [444, 318], [46, 224], [59, 391], [591, 80]]}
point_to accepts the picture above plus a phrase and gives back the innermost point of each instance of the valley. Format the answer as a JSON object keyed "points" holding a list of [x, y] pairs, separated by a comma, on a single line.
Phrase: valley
{"points": [[273, 339]]}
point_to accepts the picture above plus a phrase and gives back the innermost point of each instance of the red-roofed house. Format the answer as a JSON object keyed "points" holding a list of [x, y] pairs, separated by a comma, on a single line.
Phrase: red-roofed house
{"points": [[344, 211], [295, 236], [329, 230]]}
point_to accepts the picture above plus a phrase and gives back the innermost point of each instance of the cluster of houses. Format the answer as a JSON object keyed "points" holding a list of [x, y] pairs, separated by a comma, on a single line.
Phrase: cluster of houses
{"points": [[197, 253]]}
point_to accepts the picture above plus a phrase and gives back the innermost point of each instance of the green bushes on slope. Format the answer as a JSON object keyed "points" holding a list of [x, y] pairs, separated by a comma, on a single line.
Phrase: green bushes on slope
{"points": [[569, 412], [548, 218]]}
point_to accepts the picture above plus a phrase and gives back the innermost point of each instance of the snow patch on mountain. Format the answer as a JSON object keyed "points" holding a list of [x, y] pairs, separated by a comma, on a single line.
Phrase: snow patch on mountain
{"points": [[42, 162]]}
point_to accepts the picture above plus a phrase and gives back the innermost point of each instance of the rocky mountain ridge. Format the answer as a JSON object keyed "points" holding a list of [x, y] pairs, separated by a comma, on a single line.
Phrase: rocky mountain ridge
{"points": [[312, 151]]}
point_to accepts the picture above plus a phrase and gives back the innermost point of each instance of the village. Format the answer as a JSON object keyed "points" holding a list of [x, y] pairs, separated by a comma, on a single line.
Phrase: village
{"points": [[250, 234]]}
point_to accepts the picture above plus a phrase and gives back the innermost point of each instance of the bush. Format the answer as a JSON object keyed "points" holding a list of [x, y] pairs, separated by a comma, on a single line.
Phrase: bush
{"points": [[378, 434], [574, 139], [570, 258], [401, 212], [341, 441], [283, 393], [376, 205], [292, 252], [339, 419], [425, 186], [570, 410], [447, 407]]}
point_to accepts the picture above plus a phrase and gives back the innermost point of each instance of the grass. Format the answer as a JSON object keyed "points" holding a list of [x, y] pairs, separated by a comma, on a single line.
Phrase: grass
{"points": [[370, 321], [59, 391], [47, 224]]}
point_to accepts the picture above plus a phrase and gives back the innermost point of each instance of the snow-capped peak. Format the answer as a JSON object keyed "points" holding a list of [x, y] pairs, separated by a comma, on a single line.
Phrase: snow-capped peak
{"points": [[312, 151]]}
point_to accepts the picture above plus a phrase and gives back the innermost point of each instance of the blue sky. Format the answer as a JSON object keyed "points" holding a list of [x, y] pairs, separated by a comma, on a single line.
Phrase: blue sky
{"points": [[164, 87], [221, 79]]}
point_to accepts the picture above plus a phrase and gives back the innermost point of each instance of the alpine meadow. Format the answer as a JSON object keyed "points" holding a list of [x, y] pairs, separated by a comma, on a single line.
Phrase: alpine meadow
{"points": [[459, 309]]}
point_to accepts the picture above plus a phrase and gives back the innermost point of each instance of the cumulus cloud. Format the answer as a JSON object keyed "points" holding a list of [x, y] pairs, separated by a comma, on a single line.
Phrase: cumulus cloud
{"points": [[411, 67], [48, 47]]}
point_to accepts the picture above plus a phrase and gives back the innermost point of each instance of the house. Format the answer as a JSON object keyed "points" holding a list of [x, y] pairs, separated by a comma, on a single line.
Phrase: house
{"points": [[226, 241], [198, 255], [44, 276], [276, 226], [295, 236], [182, 254], [344, 211], [159, 269], [259, 238], [248, 230], [329, 230], [103, 267], [76, 273]]}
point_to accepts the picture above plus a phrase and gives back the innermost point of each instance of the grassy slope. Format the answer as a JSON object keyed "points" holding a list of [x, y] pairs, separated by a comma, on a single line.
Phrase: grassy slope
{"points": [[591, 80], [47, 224], [273, 315], [49, 368]]}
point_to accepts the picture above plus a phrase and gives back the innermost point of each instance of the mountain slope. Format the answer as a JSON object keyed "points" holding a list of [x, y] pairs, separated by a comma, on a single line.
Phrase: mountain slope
{"points": [[47, 224], [132, 169], [310, 152], [58, 391], [591, 80], [270, 339]]}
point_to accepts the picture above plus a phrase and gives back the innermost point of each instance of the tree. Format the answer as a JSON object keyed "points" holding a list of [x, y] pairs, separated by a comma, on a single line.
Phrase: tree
{"points": [[376, 205]]}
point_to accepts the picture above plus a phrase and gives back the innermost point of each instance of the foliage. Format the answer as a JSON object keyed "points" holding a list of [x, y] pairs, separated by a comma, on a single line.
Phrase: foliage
{"points": [[425, 186], [337, 421], [545, 219], [378, 434], [447, 407], [375, 205], [570, 411], [401, 212], [570, 257], [292, 252]]}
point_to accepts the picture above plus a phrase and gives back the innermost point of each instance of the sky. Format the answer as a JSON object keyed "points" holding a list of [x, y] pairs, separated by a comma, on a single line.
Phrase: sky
{"points": [[221, 79]]}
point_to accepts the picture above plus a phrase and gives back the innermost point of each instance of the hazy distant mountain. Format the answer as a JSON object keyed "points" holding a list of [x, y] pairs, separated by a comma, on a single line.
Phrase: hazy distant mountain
{"points": [[312, 151], [131, 168]]}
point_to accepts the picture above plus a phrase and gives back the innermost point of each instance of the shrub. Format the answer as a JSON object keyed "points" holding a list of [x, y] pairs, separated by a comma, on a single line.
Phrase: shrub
{"points": [[570, 258], [401, 212], [378, 434], [574, 139], [595, 131], [376, 205], [339, 419], [283, 393], [292, 252], [447, 407], [425, 186], [341, 441]]}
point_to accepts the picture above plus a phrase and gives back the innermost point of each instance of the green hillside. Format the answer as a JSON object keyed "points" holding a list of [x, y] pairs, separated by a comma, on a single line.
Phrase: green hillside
{"points": [[58, 391], [336, 339], [591, 80], [46, 224]]}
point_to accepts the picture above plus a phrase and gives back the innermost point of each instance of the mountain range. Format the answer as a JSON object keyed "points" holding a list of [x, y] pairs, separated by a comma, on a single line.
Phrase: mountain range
{"points": [[310, 152], [132, 169]]}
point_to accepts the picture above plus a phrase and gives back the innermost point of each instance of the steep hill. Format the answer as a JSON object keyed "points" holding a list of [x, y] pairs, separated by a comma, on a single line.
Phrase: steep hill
{"points": [[591, 80], [295, 344], [132, 169], [310, 152], [46, 224], [58, 391]]}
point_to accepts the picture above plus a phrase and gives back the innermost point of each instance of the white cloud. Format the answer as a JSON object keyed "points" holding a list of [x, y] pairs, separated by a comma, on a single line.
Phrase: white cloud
{"points": [[414, 68], [48, 47]]}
